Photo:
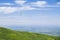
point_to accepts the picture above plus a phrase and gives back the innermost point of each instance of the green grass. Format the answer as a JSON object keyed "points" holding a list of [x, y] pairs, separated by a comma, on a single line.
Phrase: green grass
{"points": [[7, 34]]}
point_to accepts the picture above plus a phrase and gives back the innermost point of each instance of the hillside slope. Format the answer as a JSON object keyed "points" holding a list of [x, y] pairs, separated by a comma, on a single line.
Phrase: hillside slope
{"points": [[7, 34]]}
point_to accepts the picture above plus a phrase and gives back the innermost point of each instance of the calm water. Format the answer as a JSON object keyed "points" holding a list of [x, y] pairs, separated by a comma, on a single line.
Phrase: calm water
{"points": [[51, 30]]}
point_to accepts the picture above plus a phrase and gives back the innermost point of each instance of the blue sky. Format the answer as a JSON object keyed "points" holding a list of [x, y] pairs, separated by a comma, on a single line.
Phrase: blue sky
{"points": [[30, 12]]}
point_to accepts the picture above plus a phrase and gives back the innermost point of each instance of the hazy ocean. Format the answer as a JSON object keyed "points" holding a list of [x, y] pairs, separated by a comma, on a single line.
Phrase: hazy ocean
{"points": [[51, 30]]}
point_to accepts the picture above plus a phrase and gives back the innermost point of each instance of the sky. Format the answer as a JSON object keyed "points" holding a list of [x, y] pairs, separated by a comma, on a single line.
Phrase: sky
{"points": [[30, 12]]}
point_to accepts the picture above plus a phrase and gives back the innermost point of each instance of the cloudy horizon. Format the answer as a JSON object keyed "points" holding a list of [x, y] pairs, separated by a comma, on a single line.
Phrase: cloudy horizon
{"points": [[30, 12]]}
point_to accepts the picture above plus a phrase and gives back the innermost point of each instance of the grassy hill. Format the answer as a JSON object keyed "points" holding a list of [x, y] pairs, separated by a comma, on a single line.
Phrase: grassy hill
{"points": [[7, 34]]}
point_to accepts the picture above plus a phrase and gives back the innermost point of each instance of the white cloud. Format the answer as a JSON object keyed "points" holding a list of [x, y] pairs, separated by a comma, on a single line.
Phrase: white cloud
{"points": [[50, 6], [20, 2], [6, 4], [27, 8], [43, 4], [7, 10], [58, 3], [39, 3]]}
